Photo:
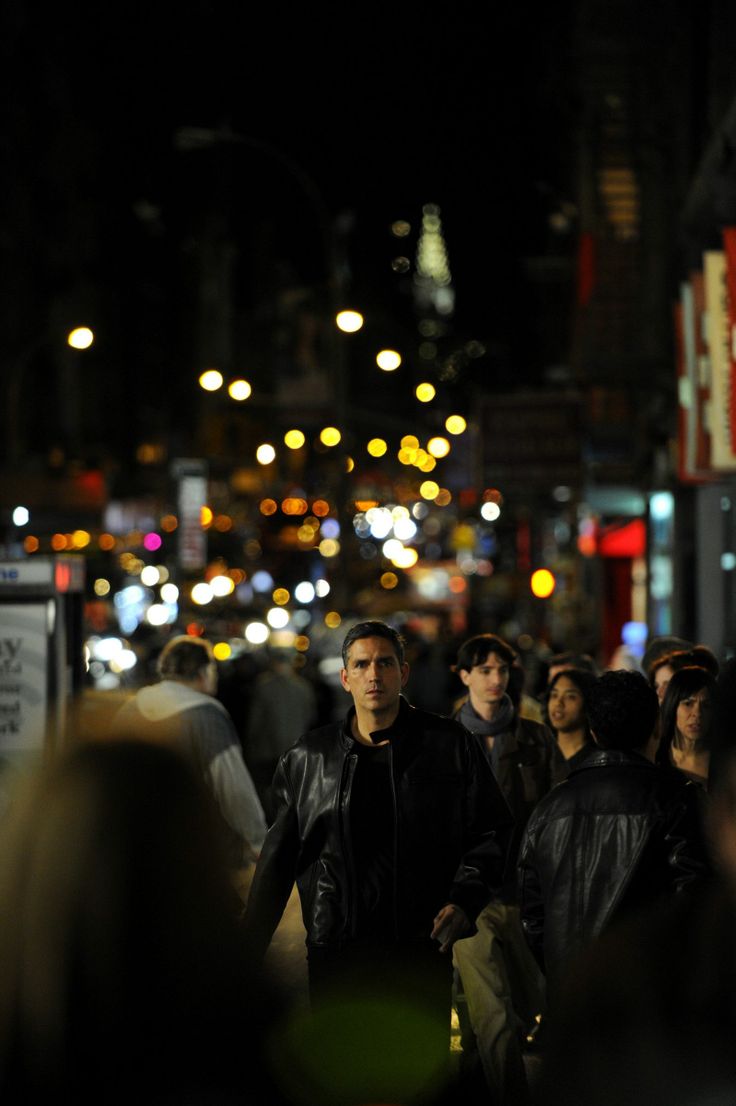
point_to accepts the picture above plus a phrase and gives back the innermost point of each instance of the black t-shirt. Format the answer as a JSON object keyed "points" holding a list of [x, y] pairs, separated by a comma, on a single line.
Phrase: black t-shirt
{"points": [[373, 828]]}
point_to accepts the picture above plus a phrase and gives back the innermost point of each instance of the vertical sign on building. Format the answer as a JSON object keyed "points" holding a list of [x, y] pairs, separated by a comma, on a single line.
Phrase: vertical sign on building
{"points": [[191, 476], [723, 456]]}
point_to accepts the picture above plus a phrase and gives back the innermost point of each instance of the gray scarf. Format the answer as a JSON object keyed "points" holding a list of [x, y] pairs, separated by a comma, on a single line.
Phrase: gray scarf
{"points": [[502, 723]]}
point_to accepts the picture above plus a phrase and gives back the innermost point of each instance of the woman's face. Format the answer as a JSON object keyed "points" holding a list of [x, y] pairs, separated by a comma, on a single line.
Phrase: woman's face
{"points": [[565, 706], [662, 677], [693, 715]]}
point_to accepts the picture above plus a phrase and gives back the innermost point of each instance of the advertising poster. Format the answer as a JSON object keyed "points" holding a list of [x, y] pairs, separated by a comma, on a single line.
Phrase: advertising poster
{"points": [[24, 642], [718, 331]]}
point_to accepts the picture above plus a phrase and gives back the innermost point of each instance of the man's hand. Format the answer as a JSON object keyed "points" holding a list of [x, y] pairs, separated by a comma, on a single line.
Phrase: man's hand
{"points": [[450, 924]]}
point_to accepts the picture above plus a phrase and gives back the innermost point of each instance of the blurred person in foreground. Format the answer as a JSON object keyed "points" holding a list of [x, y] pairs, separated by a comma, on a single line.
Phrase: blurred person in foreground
{"points": [[122, 976], [182, 712], [396, 833], [648, 1014], [619, 832], [501, 982]]}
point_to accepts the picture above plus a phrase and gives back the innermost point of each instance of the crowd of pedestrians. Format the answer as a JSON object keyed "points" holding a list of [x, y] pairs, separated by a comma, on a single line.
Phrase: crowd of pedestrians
{"points": [[560, 867]]}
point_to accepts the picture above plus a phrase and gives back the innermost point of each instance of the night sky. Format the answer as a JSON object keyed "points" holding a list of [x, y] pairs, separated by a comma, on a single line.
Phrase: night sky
{"points": [[385, 109]]}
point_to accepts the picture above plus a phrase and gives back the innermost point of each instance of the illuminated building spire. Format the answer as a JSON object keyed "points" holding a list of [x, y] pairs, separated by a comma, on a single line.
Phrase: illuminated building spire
{"points": [[433, 280]]}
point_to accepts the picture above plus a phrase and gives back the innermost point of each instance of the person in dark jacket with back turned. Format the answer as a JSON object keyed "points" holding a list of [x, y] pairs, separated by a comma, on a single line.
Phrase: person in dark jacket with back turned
{"points": [[618, 833], [502, 984], [396, 833]]}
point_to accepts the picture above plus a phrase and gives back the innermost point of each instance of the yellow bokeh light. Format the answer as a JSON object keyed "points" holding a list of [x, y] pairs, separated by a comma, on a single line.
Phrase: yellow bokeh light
{"points": [[239, 389], [376, 447], [349, 464], [265, 454], [406, 558], [425, 392], [438, 447], [349, 321], [455, 424], [205, 516], [101, 587], [429, 489], [328, 547], [211, 380], [388, 360], [80, 338], [281, 597], [294, 439], [409, 442], [542, 583], [389, 580], [301, 643], [330, 435], [80, 539], [406, 456], [427, 464], [222, 651], [332, 620]]}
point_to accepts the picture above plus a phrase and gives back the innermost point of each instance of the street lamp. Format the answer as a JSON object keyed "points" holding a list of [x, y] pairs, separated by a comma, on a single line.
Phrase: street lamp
{"points": [[79, 338]]}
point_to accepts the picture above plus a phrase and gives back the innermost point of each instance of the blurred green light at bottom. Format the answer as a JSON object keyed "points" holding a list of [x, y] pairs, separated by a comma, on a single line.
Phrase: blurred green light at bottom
{"points": [[352, 1051]]}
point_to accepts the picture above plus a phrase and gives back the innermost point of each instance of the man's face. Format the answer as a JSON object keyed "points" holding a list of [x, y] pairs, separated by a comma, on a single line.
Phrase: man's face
{"points": [[374, 677], [486, 682], [565, 706]]}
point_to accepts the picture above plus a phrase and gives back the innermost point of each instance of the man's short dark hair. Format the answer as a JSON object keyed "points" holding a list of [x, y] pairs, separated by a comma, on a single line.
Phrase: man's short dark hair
{"points": [[622, 710], [184, 657], [477, 649], [569, 659], [373, 628]]}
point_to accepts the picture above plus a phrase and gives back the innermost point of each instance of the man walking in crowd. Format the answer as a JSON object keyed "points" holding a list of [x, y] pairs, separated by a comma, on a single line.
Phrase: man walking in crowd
{"points": [[396, 832], [501, 982], [182, 711], [618, 833]]}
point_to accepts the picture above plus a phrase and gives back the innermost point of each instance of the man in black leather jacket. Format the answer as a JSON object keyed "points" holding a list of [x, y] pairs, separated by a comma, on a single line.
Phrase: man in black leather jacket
{"points": [[395, 831], [617, 834]]}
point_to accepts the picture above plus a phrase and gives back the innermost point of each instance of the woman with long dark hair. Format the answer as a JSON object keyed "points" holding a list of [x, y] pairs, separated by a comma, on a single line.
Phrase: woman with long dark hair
{"points": [[686, 722]]}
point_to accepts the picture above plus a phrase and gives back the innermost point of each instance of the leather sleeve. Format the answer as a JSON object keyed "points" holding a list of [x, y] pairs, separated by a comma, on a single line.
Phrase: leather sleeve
{"points": [[687, 854], [531, 900]]}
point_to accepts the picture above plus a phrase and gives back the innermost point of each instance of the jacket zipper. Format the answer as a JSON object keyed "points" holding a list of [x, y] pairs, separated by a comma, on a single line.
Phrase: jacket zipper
{"points": [[348, 773], [394, 799]]}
